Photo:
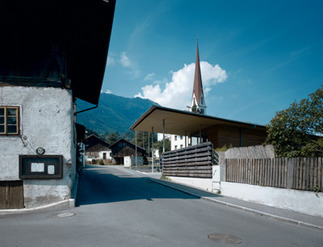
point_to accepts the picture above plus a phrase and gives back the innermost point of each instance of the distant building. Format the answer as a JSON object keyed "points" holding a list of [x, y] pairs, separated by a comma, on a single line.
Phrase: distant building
{"points": [[122, 148], [96, 149]]}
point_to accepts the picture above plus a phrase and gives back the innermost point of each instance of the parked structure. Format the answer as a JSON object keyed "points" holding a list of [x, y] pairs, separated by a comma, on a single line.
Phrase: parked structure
{"points": [[96, 149], [123, 148], [52, 52]]}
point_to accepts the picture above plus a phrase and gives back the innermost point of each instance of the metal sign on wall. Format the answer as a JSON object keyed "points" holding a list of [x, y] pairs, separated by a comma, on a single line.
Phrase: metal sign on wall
{"points": [[40, 167]]}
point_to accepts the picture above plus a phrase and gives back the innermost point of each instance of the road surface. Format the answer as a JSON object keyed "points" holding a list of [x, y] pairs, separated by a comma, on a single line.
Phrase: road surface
{"points": [[118, 207]]}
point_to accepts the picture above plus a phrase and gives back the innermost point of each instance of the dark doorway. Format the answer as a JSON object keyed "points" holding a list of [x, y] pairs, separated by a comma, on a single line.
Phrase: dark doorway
{"points": [[11, 194]]}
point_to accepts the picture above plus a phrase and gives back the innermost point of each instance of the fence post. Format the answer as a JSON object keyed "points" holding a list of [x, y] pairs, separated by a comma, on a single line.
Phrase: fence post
{"points": [[290, 172]]}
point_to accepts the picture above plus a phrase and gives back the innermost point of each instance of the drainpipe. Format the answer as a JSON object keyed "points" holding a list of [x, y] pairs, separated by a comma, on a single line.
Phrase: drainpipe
{"points": [[87, 109]]}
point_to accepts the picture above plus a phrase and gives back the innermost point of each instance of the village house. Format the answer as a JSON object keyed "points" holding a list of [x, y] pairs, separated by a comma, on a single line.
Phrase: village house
{"points": [[122, 148], [52, 53], [97, 149]]}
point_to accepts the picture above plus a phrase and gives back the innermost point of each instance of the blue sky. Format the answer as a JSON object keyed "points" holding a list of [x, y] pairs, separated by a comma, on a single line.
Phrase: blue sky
{"points": [[257, 57]]}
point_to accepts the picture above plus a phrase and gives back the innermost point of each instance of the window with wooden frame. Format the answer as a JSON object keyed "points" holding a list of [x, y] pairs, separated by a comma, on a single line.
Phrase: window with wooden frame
{"points": [[9, 120]]}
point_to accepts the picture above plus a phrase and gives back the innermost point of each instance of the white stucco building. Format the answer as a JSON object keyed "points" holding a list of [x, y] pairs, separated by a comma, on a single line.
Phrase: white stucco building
{"points": [[44, 120], [50, 56]]}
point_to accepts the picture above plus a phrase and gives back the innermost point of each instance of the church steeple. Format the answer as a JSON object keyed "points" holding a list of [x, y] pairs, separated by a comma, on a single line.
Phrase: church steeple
{"points": [[198, 101]]}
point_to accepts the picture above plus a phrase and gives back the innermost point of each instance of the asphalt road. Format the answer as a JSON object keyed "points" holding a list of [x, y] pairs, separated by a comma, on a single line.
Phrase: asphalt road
{"points": [[116, 207]]}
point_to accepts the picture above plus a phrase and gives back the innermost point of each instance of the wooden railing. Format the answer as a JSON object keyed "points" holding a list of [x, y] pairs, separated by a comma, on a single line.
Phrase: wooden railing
{"points": [[193, 161], [294, 173]]}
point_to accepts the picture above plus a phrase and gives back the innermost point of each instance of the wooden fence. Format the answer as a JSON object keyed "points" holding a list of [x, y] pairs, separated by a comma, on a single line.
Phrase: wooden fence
{"points": [[294, 173], [194, 161]]}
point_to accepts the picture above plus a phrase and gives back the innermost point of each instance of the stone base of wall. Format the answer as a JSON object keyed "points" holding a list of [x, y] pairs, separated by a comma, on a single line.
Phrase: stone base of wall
{"points": [[200, 183], [299, 201]]}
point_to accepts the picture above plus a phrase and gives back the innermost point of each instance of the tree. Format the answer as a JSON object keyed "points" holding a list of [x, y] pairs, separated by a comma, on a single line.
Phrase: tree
{"points": [[298, 130], [112, 137], [159, 145]]}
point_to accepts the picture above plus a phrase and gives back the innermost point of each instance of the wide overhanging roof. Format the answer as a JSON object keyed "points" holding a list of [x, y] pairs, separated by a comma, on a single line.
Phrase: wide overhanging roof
{"points": [[91, 24], [82, 27], [183, 122]]}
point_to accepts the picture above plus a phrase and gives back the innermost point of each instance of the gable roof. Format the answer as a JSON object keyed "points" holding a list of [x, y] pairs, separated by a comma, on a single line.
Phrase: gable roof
{"points": [[93, 140], [129, 143]]}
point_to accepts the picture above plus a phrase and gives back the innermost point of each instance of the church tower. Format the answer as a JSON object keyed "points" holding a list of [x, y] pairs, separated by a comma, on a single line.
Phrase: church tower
{"points": [[198, 101]]}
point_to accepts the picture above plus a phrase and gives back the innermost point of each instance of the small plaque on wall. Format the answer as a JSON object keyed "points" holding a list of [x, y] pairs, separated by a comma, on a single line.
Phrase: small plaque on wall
{"points": [[40, 167]]}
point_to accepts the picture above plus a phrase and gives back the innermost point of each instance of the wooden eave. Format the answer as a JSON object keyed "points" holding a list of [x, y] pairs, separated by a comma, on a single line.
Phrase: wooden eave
{"points": [[183, 122], [83, 28]]}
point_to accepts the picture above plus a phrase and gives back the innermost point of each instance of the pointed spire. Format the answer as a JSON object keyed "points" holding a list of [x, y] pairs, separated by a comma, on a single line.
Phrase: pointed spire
{"points": [[198, 94]]}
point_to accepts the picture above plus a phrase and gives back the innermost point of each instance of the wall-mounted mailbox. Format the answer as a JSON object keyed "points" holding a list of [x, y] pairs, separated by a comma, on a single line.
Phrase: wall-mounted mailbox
{"points": [[40, 167]]}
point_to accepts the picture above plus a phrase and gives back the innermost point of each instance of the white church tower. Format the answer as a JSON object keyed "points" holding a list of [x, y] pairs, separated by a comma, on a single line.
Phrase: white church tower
{"points": [[198, 101]]}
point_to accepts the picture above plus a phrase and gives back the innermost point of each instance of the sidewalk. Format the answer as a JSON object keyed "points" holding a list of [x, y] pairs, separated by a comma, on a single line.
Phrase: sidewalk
{"points": [[284, 215]]}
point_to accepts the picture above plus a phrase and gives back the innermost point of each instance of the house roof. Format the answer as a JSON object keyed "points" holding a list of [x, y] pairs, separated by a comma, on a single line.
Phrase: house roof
{"points": [[93, 140], [131, 144], [82, 27], [183, 122]]}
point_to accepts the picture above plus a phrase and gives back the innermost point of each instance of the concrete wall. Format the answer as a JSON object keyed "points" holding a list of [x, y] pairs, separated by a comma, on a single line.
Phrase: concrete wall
{"points": [[46, 120], [299, 201], [200, 183]]}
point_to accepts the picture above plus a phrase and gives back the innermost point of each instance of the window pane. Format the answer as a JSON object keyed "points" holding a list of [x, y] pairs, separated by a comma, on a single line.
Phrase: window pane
{"points": [[12, 129], [11, 112], [12, 120], [1, 111], [1, 120], [1, 128]]}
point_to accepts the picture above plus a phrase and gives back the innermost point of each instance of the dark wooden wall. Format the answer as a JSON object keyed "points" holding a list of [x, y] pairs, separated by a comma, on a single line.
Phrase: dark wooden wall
{"points": [[195, 161], [237, 137]]}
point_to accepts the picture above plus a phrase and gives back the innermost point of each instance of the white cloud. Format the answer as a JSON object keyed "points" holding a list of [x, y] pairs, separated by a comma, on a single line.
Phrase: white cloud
{"points": [[124, 59], [108, 91], [149, 77], [111, 61], [178, 92], [132, 67]]}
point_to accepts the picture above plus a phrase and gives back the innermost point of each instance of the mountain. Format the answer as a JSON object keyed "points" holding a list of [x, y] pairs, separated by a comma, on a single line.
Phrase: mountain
{"points": [[114, 113]]}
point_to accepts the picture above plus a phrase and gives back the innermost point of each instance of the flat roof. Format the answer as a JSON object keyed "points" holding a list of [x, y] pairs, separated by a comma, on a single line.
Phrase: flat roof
{"points": [[186, 123]]}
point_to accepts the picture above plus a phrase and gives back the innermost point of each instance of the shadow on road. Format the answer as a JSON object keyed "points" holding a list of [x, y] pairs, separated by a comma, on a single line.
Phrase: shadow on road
{"points": [[107, 185]]}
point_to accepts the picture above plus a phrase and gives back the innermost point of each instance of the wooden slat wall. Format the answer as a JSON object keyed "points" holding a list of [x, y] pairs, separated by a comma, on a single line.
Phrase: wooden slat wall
{"points": [[294, 173], [194, 161]]}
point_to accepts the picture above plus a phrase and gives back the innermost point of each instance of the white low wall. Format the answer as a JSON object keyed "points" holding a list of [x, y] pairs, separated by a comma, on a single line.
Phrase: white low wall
{"points": [[299, 201], [200, 183]]}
